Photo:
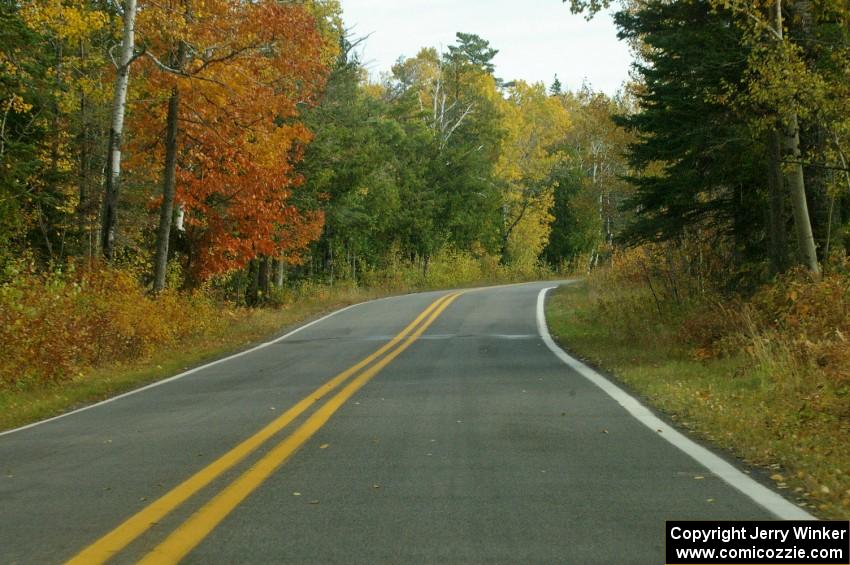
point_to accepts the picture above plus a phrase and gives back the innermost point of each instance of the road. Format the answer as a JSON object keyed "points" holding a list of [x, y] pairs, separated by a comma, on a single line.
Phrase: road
{"points": [[465, 439]]}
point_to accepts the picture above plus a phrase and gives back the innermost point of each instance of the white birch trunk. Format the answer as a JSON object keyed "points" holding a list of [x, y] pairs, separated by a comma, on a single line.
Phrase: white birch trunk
{"points": [[119, 105], [794, 178]]}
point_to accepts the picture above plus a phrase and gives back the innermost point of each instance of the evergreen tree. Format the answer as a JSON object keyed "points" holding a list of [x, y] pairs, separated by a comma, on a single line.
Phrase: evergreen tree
{"points": [[700, 164], [556, 89]]}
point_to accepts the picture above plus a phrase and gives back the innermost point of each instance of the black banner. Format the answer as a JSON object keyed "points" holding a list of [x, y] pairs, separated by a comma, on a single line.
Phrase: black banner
{"points": [[758, 543]]}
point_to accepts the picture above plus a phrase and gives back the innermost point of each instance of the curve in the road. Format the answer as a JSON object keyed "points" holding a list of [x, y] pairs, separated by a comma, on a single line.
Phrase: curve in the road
{"points": [[763, 496]]}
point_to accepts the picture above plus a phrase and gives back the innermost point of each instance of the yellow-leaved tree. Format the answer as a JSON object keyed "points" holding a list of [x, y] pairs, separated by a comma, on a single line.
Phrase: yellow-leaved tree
{"points": [[536, 125]]}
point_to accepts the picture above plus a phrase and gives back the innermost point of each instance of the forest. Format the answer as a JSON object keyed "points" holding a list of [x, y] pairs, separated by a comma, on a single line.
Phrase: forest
{"points": [[170, 167], [244, 147]]}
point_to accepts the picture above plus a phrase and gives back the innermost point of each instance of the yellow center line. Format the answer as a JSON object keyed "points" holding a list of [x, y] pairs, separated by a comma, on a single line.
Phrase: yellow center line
{"points": [[107, 546], [189, 534]]}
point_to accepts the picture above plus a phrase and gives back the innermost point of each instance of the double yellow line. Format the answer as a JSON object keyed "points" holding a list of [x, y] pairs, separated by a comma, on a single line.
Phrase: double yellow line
{"points": [[191, 532]]}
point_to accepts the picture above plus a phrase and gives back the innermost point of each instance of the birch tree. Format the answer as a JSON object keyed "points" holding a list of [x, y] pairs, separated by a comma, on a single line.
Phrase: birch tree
{"points": [[109, 218]]}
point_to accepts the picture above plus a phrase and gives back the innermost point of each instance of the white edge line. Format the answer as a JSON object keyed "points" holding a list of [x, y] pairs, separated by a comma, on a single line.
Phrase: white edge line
{"points": [[183, 374], [763, 496]]}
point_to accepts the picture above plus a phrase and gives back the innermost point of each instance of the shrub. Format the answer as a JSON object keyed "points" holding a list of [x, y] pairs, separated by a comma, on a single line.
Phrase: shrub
{"points": [[54, 326]]}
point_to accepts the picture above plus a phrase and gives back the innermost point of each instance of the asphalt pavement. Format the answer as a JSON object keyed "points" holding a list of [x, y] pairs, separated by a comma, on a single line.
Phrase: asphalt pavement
{"points": [[464, 440]]}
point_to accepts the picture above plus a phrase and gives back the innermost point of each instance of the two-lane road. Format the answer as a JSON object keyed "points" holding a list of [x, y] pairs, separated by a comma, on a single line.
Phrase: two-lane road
{"points": [[436, 427]]}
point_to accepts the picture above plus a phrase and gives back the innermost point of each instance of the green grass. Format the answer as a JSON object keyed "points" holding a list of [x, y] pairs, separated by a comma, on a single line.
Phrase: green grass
{"points": [[730, 402]]}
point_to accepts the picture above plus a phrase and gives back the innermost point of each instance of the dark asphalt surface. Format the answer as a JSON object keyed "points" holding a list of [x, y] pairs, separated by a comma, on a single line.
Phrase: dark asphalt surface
{"points": [[475, 445]]}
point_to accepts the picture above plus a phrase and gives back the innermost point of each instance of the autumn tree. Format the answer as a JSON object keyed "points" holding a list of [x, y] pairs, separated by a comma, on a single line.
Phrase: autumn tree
{"points": [[588, 199], [536, 125], [233, 74], [53, 70], [795, 75]]}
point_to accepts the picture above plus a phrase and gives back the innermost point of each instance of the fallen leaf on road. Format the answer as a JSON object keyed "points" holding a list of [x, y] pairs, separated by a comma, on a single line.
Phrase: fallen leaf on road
{"points": [[605, 431], [313, 502], [699, 477], [376, 486], [296, 494], [777, 477], [324, 446], [710, 500]]}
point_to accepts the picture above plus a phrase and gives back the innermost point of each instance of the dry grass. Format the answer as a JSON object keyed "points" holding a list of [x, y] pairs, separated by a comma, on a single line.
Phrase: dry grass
{"points": [[234, 330]]}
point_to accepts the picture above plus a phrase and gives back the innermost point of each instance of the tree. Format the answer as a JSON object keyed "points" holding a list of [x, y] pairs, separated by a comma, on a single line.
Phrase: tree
{"points": [[473, 51], [590, 187], [109, 214], [794, 76], [536, 125], [556, 89], [698, 164], [234, 77], [62, 73]]}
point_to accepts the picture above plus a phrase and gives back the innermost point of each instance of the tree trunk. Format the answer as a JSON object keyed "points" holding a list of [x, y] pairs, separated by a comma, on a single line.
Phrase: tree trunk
{"points": [[280, 274], [180, 220], [776, 223], [797, 188], [166, 208], [794, 177], [331, 260], [264, 282], [252, 293], [83, 180], [109, 219], [87, 135]]}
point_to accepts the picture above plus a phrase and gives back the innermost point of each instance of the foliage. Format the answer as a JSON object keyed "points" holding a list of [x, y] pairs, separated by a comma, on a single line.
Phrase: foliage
{"points": [[535, 125], [239, 136], [695, 162], [590, 189], [51, 80], [54, 327]]}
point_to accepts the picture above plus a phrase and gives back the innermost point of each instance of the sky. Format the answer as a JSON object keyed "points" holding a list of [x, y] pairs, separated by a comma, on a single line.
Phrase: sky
{"points": [[536, 39]]}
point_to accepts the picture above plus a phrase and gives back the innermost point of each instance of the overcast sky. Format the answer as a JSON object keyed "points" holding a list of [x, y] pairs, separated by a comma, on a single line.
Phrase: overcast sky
{"points": [[536, 38]]}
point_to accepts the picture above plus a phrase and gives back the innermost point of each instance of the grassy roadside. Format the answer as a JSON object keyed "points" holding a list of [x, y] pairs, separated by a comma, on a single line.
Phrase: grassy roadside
{"points": [[241, 329], [727, 401]]}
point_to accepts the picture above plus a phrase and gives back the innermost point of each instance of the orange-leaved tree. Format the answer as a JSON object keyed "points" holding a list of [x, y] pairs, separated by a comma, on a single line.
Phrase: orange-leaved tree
{"points": [[223, 84]]}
